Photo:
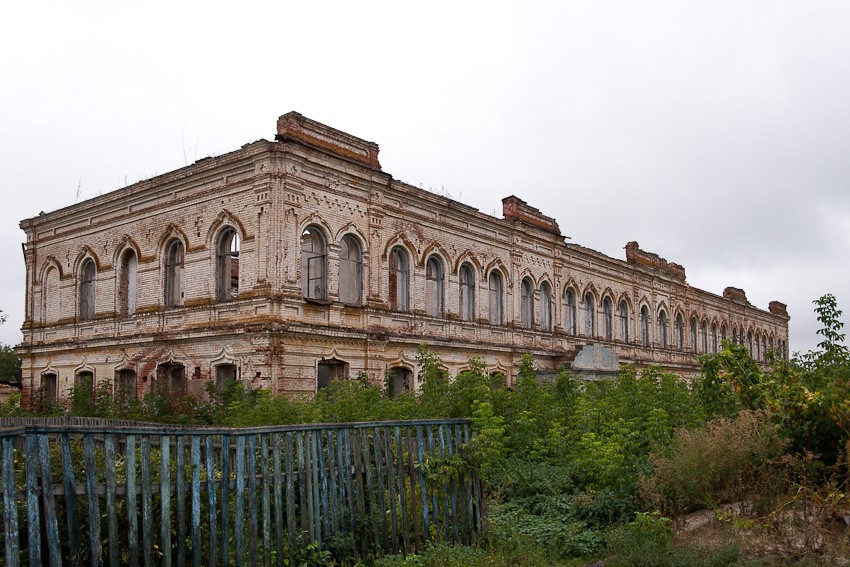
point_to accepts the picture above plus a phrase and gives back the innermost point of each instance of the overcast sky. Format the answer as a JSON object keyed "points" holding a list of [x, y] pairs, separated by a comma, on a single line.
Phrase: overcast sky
{"points": [[716, 134]]}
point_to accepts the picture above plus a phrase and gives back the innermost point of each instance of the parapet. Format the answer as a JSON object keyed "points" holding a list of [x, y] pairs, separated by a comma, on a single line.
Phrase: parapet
{"points": [[638, 257], [515, 209], [295, 127], [778, 308], [735, 294]]}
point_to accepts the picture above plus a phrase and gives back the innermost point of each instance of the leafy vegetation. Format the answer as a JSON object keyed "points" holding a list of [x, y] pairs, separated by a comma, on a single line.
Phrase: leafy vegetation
{"points": [[580, 470]]}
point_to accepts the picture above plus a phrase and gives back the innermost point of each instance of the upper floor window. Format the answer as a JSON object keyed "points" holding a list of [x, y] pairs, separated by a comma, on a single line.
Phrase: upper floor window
{"points": [[527, 304], [495, 281], [693, 334], [314, 261], [350, 271], [714, 337], [644, 326], [624, 321], [662, 328], [589, 314], [680, 332], [434, 287], [174, 274], [749, 342], [467, 293], [734, 335], [546, 306], [607, 319], [704, 335], [570, 312], [88, 274], [399, 280], [227, 265], [50, 297], [127, 282]]}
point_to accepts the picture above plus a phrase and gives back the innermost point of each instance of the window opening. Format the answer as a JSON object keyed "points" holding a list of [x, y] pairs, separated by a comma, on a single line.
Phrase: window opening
{"points": [[589, 315], [607, 319], [228, 265], [644, 326], [350, 271], [50, 387], [624, 321], [314, 281], [693, 334], [399, 381], [662, 329], [171, 377], [545, 306], [495, 281], [87, 290], [330, 370], [680, 332], [467, 293], [174, 274], [399, 278], [225, 374], [434, 287], [125, 384], [570, 313], [527, 304]]}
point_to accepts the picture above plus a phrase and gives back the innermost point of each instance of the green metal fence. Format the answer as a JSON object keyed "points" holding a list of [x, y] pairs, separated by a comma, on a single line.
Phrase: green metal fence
{"points": [[131, 495]]}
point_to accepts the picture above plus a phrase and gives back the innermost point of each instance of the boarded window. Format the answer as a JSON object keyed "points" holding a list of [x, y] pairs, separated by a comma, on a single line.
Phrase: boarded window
{"points": [[644, 326], [467, 293], [570, 312], [607, 319], [545, 307], [495, 281], [399, 380], [227, 265], [662, 329], [527, 306], [434, 287], [314, 260], [624, 321], [87, 290], [330, 370], [125, 384], [225, 374], [350, 271], [174, 274], [171, 377], [589, 315], [50, 387], [127, 283], [399, 280]]}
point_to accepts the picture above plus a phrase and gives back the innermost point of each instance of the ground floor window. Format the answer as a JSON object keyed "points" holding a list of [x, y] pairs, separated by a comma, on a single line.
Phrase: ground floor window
{"points": [[50, 388], [171, 377], [224, 374], [330, 370], [125, 384], [399, 380]]}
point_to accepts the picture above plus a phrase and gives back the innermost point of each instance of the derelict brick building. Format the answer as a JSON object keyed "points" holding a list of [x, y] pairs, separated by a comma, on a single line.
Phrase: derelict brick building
{"points": [[287, 263]]}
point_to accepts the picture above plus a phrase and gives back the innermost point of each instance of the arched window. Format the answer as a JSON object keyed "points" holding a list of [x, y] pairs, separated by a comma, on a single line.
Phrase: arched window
{"points": [[127, 283], [330, 370], [693, 334], [50, 306], [399, 381], [750, 343], [723, 332], [704, 336], [545, 306], [314, 262], [570, 312], [607, 319], [644, 326], [758, 347], [589, 315], [662, 329], [714, 337], [125, 385], [495, 281], [174, 274], [227, 265], [680, 332], [350, 271], [770, 343], [623, 315], [527, 304], [87, 290], [171, 378], [466, 302], [399, 280], [50, 387], [225, 374]]}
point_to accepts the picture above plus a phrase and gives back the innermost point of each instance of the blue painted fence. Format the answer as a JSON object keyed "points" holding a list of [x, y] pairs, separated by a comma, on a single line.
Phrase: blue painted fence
{"points": [[204, 496]]}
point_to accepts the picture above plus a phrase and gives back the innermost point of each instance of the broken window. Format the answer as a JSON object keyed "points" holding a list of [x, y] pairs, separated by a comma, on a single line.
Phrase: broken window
{"points": [[679, 329], [225, 374], [545, 306], [693, 334], [527, 304], [171, 377], [749, 342], [174, 274], [570, 312], [125, 384], [644, 326], [714, 337], [723, 332], [350, 271], [734, 335], [434, 287], [589, 315], [50, 296], [662, 329], [227, 265], [704, 336], [607, 319], [84, 385], [495, 281], [127, 283], [624, 321], [758, 347], [50, 387], [399, 381], [87, 290], [330, 370], [467, 293], [399, 280], [314, 260]]}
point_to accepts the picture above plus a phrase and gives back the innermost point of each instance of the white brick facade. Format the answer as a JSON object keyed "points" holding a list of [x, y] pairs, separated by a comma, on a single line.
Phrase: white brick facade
{"points": [[315, 177]]}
